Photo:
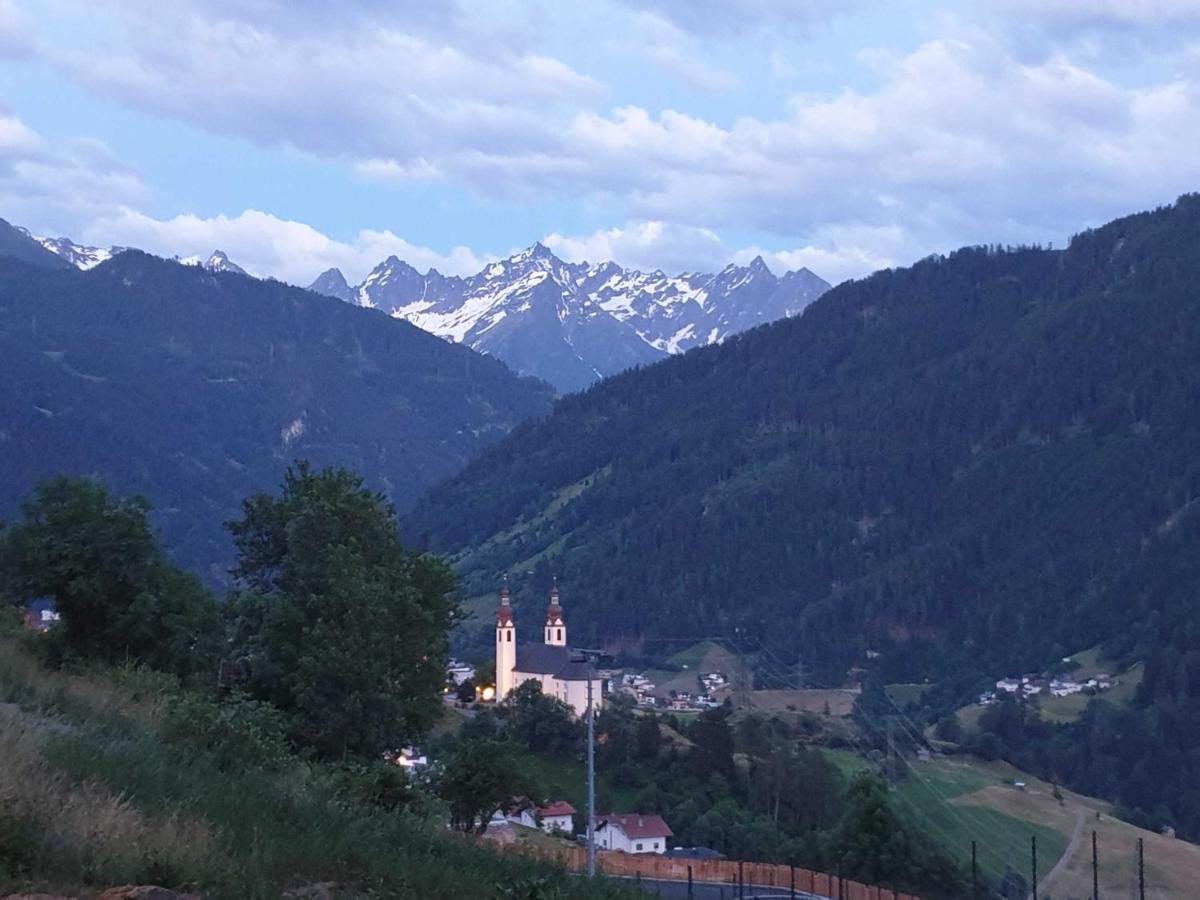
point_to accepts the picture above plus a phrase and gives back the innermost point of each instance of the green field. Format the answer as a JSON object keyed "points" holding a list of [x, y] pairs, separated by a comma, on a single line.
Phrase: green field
{"points": [[703, 654], [558, 778], [933, 794], [1068, 709], [904, 694]]}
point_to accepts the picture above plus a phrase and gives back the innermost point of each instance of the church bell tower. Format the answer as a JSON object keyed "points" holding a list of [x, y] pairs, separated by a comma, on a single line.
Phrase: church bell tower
{"points": [[556, 628], [506, 645]]}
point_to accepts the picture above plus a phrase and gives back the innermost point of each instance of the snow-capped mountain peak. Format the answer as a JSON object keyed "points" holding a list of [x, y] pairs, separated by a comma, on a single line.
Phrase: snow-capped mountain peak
{"points": [[573, 323], [76, 254], [219, 262]]}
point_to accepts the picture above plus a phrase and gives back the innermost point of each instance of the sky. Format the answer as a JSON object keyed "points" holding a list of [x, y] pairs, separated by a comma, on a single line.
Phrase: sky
{"points": [[841, 135]]}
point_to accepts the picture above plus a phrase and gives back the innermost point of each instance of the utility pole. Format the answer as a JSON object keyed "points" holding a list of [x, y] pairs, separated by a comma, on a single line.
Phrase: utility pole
{"points": [[591, 779], [1033, 846], [891, 751], [974, 874], [1095, 870], [1141, 869]]}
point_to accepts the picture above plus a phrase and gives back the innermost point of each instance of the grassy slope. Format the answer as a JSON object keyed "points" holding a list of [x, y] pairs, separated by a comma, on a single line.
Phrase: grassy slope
{"points": [[1068, 709], [962, 799], [92, 797]]}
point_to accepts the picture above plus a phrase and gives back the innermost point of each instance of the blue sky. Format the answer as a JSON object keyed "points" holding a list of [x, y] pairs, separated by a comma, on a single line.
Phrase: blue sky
{"points": [[675, 134]]}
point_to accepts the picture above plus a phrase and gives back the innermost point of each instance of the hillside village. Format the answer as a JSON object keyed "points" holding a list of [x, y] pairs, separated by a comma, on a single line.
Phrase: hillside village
{"points": [[1049, 685]]}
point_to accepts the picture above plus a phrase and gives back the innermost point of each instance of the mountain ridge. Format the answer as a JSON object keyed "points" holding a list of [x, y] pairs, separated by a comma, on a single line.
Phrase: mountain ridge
{"points": [[875, 474], [196, 388], [575, 323]]}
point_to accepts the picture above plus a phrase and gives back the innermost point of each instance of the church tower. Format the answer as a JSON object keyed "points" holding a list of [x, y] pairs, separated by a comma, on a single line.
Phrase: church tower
{"points": [[556, 628], [506, 645]]}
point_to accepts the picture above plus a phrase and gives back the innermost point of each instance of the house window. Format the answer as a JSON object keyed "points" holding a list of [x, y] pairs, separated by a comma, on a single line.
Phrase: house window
{"points": [[637, 846]]}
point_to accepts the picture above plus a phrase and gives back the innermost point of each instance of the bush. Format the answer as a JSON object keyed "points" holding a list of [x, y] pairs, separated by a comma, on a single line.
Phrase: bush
{"points": [[385, 786], [18, 846], [11, 620], [239, 732]]}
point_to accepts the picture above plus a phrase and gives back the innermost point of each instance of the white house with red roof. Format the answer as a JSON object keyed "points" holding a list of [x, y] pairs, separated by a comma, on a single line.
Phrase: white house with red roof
{"points": [[632, 833], [555, 816], [561, 673]]}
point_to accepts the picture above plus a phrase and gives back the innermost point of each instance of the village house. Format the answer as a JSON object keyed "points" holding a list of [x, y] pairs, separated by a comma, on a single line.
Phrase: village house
{"points": [[632, 833], [1064, 688], [41, 614], [562, 673], [457, 672], [411, 758], [555, 817]]}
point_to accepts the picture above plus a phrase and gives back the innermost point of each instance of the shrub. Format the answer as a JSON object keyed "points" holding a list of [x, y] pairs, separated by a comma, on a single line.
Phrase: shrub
{"points": [[239, 732], [18, 846]]}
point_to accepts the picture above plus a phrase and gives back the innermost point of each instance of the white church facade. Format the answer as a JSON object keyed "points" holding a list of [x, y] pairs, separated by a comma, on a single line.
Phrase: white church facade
{"points": [[562, 673]]}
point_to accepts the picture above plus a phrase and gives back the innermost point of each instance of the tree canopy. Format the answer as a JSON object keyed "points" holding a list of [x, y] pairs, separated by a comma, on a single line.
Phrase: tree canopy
{"points": [[337, 624], [119, 597]]}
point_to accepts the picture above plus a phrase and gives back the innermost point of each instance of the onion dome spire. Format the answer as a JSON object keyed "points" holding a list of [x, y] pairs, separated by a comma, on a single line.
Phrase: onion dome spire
{"points": [[504, 612], [554, 609]]}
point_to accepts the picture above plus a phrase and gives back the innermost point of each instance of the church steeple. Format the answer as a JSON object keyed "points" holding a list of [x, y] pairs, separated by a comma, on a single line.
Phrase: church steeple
{"points": [[556, 628], [506, 644]]}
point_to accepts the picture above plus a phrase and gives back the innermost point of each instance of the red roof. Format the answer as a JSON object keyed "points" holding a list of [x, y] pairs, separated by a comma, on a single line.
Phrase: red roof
{"points": [[639, 826], [556, 808]]}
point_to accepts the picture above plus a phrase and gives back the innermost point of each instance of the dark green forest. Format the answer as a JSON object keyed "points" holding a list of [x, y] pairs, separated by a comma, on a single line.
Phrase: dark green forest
{"points": [[195, 389], [971, 467]]}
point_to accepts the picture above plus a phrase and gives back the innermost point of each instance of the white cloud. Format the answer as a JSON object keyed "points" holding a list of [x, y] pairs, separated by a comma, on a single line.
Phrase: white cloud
{"points": [[265, 244], [48, 186], [836, 253], [367, 92], [646, 245], [841, 252], [1105, 13], [961, 139], [731, 17], [675, 51], [15, 34], [967, 137]]}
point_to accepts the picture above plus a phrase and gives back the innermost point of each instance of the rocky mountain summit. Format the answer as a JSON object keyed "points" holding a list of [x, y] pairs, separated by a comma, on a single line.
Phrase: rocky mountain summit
{"points": [[575, 323]]}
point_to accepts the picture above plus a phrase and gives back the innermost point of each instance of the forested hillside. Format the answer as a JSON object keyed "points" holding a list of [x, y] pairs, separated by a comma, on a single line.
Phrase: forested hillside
{"points": [[196, 389], [966, 463]]}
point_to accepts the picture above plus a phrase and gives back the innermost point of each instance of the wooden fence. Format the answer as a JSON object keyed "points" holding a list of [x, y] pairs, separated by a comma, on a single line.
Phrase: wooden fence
{"points": [[654, 866]]}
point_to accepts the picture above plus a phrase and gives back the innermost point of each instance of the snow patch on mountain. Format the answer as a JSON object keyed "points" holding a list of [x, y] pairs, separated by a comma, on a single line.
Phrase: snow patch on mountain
{"points": [[76, 254], [573, 323]]}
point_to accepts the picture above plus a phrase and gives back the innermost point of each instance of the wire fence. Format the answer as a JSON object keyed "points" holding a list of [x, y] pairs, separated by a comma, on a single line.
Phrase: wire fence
{"points": [[743, 877]]}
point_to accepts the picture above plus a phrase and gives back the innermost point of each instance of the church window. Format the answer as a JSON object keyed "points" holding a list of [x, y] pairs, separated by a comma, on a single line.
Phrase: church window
{"points": [[510, 637], [560, 634]]}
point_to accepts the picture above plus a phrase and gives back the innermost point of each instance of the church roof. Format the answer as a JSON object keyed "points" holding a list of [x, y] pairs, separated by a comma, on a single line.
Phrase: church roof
{"points": [[545, 659]]}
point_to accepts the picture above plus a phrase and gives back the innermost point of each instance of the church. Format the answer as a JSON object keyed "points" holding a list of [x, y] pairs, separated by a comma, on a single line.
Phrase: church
{"points": [[562, 673]]}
